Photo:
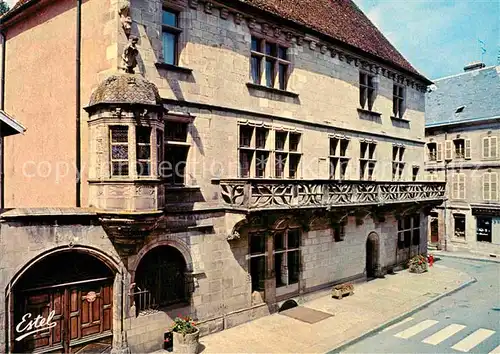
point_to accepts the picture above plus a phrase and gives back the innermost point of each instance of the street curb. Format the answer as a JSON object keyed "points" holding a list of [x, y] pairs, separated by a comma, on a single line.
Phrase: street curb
{"points": [[471, 258], [398, 318]]}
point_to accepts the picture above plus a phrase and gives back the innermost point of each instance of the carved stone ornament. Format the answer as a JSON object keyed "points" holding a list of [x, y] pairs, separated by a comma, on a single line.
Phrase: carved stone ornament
{"points": [[252, 23], [193, 4], [235, 235], [323, 49], [129, 56], [312, 45], [277, 32], [238, 18], [209, 7], [224, 13], [125, 18]]}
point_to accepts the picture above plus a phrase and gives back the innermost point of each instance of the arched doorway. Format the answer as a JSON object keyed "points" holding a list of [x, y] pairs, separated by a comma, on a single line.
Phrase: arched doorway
{"points": [[160, 279], [372, 255], [64, 303]]}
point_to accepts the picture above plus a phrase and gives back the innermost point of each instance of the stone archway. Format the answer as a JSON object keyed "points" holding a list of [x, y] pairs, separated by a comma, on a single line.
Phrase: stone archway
{"points": [[72, 289], [372, 255]]}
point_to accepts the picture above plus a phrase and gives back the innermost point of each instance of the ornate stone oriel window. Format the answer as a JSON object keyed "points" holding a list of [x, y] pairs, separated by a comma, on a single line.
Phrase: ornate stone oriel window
{"points": [[170, 36], [274, 59]]}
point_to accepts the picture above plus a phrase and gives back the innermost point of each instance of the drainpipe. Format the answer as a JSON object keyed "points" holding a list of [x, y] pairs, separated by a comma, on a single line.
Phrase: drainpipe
{"points": [[2, 107], [446, 199], [78, 108]]}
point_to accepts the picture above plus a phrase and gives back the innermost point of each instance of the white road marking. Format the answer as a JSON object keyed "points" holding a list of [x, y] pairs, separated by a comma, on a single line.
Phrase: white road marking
{"points": [[443, 334], [472, 340], [408, 319], [410, 332], [495, 351]]}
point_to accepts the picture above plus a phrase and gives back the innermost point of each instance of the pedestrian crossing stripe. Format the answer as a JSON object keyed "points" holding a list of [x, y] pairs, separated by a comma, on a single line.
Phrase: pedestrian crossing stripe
{"points": [[443, 334], [408, 319], [416, 329], [473, 339]]}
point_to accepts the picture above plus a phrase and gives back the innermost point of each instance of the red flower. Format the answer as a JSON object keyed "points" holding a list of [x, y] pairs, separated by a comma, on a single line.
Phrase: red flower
{"points": [[167, 340]]}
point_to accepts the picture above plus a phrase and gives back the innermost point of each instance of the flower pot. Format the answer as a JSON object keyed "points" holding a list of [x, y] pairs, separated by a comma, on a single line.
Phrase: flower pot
{"points": [[186, 344], [418, 269]]}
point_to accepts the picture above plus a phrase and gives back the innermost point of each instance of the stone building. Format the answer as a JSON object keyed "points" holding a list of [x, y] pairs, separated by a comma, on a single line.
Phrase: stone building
{"points": [[462, 132], [207, 158]]}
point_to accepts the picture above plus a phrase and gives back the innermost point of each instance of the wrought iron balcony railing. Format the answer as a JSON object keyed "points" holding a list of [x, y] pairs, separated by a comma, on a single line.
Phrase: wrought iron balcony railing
{"points": [[258, 194]]}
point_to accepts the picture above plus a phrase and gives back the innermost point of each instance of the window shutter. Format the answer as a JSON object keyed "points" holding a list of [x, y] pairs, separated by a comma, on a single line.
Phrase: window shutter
{"points": [[461, 177], [486, 186], [486, 148], [493, 186], [448, 147], [467, 149], [439, 152], [454, 184], [493, 147]]}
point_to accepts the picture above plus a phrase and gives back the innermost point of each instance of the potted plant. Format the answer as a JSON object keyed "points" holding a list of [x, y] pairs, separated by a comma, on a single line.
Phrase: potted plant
{"points": [[185, 335], [418, 264]]}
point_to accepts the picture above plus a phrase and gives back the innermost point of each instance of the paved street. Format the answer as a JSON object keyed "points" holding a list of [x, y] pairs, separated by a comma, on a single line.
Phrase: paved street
{"points": [[466, 321]]}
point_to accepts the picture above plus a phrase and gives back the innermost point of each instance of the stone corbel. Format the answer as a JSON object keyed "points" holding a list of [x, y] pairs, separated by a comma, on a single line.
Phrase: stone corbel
{"points": [[265, 28], [238, 18], [209, 7], [323, 49], [300, 40], [224, 13], [333, 52], [252, 23], [312, 45], [289, 36], [341, 56], [277, 32], [234, 235], [349, 59], [193, 4]]}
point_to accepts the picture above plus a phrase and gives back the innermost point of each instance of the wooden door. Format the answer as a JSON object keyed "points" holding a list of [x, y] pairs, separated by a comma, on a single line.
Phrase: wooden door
{"points": [[81, 322]]}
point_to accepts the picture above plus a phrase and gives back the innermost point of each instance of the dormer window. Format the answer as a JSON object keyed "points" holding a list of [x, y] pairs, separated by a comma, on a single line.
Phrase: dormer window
{"points": [[459, 109]]}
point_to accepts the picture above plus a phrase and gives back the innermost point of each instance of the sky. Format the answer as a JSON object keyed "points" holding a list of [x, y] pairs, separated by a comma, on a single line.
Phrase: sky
{"points": [[439, 37]]}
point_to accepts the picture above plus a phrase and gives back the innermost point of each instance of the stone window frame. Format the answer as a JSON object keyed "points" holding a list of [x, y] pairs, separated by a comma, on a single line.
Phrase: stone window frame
{"points": [[256, 255], [367, 160], [337, 156], [455, 217], [288, 153], [436, 154], [175, 30], [262, 57], [256, 154], [143, 161], [176, 144], [406, 226], [112, 143], [398, 100], [285, 251], [367, 93], [398, 164]]}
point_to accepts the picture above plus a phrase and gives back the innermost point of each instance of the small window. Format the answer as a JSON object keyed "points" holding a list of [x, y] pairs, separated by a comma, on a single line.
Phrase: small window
{"points": [[170, 36], [338, 158], [287, 258], [257, 260], [143, 150], [409, 231], [287, 154], [276, 63], [459, 225], [397, 162], [398, 100], [176, 153], [367, 90], [458, 186], [367, 160], [119, 150], [253, 153], [459, 148], [432, 151], [339, 232], [490, 148], [414, 173]]}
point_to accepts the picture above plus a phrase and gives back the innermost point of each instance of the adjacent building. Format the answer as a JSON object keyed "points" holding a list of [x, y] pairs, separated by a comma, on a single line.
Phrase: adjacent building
{"points": [[197, 157], [462, 131]]}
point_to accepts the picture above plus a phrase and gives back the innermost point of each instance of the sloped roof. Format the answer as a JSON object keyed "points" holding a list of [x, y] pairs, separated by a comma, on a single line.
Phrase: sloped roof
{"points": [[340, 19], [468, 96]]}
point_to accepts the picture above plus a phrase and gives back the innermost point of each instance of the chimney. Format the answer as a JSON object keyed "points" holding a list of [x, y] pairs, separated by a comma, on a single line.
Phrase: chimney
{"points": [[474, 66]]}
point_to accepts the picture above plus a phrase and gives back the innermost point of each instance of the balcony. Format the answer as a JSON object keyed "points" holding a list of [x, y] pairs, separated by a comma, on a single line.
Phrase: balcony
{"points": [[266, 194]]}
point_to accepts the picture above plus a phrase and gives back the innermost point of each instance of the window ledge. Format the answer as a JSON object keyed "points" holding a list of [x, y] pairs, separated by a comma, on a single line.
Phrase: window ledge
{"points": [[272, 90], [400, 119], [170, 67], [372, 113], [180, 188]]}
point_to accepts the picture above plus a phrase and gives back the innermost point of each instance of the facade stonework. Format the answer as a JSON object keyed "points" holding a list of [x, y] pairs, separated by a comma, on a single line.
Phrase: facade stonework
{"points": [[205, 190], [462, 149]]}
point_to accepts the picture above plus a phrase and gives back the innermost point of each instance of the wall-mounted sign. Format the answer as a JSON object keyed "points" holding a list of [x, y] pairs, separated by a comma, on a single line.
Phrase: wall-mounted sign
{"points": [[29, 326]]}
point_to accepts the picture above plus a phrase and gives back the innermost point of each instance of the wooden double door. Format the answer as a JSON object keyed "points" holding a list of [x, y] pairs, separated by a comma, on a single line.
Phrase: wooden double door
{"points": [[76, 318]]}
